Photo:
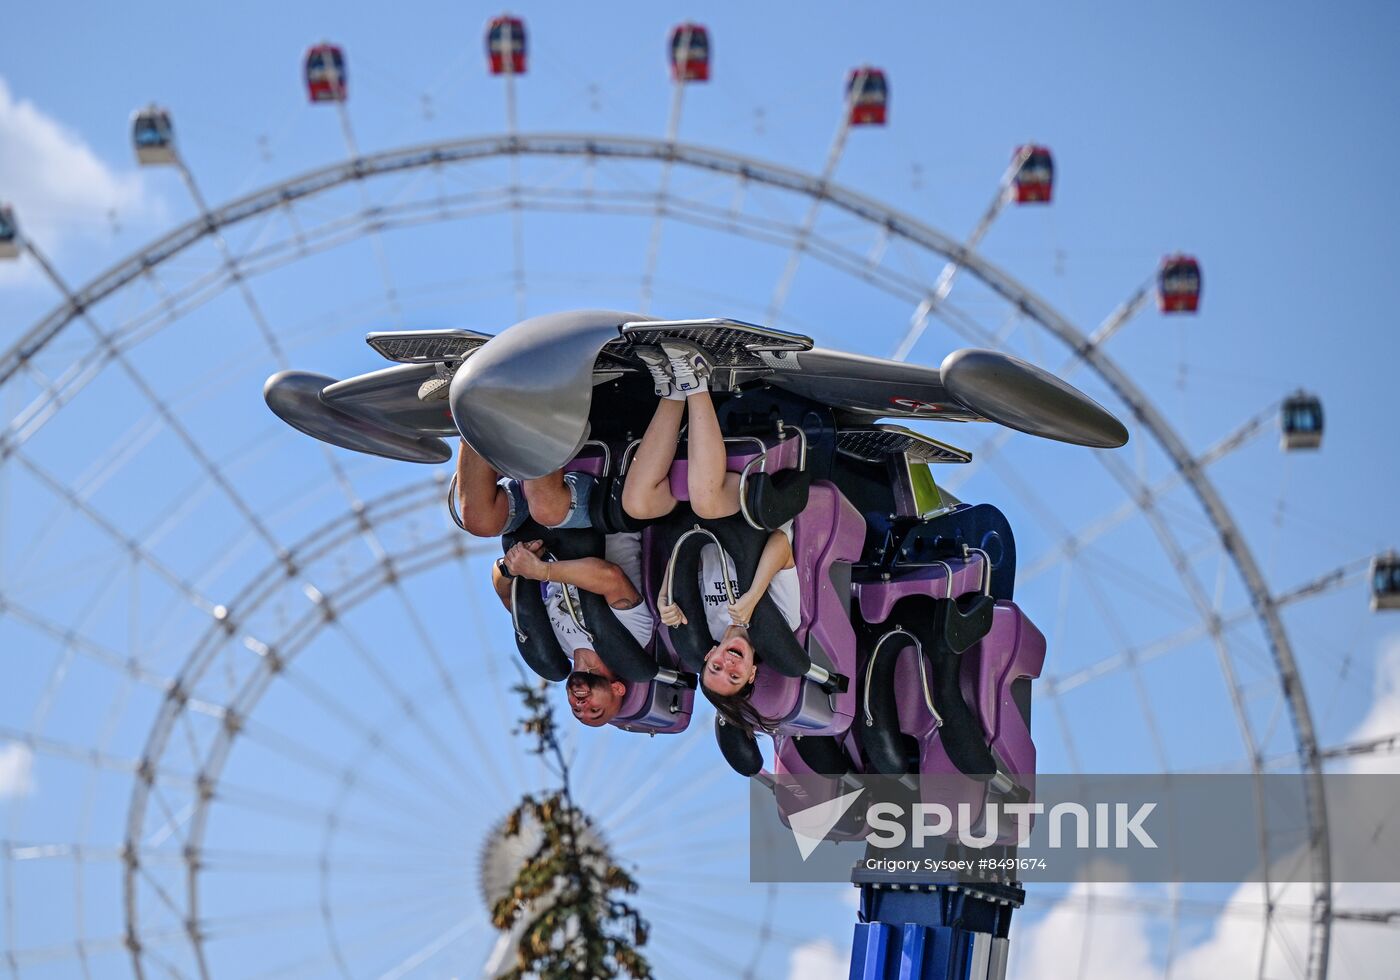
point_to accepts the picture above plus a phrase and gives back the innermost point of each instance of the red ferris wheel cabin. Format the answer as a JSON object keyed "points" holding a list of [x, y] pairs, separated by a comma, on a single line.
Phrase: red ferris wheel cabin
{"points": [[505, 45], [325, 73], [1179, 284], [1035, 178], [868, 95], [690, 53]]}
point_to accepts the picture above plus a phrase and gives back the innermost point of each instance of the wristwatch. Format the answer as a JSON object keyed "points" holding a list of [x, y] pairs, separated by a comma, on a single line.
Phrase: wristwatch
{"points": [[501, 567]]}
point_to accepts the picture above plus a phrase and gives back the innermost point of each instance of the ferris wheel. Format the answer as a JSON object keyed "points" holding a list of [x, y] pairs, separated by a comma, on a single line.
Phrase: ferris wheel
{"points": [[262, 719]]}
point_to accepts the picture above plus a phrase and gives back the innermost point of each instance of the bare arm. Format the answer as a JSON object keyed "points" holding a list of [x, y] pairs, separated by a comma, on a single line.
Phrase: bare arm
{"points": [[671, 615], [480, 500], [777, 555], [502, 586], [596, 575]]}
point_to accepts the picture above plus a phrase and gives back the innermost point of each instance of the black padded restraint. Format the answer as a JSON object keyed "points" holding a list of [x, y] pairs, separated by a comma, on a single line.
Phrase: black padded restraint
{"points": [[605, 507], [887, 749], [739, 750], [613, 642], [961, 732], [824, 754], [772, 639], [773, 499], [540, 649], [963, 621]]}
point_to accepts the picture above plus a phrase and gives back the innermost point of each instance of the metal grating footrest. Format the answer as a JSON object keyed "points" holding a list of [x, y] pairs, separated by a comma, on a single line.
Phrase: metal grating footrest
{"points": [[876, 443], [730, 343], [426, 346]]}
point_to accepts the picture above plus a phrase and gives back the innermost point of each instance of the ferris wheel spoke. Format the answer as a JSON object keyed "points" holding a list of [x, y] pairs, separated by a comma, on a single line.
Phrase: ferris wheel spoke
{"points": [[351, 720], [430, 949], [1122, 315], [1134, 666], [172, 423], [355, 162], [231, 266], [406, 706], [304, 812], [943, 285], [295, 751], [1124, 575], [621, 809], [833, 159], [450, 686], [386, 933], [234, 925], [420, 867], [673, 125]]}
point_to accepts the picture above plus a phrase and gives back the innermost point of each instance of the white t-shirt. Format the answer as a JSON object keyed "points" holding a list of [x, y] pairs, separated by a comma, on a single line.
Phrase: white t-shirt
{"points": [[624, 551], [785, 590]]}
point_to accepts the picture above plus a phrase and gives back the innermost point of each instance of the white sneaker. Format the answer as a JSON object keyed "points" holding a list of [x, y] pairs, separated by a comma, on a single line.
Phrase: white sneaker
{"points": [[657, 364], [435, 388], [690, 366]]}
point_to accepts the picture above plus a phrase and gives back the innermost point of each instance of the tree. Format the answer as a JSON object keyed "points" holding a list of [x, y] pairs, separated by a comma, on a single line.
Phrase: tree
{"points": [[568, 890]]}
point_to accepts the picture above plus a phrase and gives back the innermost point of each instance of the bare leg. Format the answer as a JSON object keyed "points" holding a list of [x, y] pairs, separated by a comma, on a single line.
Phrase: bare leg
{"points": [[714, 493], [647, 492], [483, 504], [548, 498]]}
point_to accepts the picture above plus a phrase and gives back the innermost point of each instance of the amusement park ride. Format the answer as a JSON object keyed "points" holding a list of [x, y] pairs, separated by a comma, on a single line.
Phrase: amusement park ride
{"points": [[916, 660], [901, 592]]}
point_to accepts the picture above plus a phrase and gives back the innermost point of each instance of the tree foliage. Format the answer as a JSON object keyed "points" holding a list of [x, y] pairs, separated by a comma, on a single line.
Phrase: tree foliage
{"points": [[572, 891]]}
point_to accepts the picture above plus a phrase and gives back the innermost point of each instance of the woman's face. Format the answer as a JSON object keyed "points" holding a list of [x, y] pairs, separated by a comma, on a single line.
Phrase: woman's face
{"points": [[729, 666]]}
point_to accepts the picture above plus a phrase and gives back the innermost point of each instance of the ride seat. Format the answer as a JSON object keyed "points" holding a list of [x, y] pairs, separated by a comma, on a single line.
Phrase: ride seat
{"points": [[662, 705], [774, 478], [993, 675], [827, 539]]}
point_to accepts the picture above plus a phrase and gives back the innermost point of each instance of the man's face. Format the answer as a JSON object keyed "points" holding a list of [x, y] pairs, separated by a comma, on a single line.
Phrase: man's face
{"points": [[593, 698]]}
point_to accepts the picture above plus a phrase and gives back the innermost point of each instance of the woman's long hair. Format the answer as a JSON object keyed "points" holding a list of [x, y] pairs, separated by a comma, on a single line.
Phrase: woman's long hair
{"points": [[738, 710]]}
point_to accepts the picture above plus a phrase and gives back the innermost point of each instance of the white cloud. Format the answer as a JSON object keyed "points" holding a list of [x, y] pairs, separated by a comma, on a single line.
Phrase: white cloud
{"points": [[16, 770], [1384, 716], [819, 960], [60, 190], [1117, 936]]}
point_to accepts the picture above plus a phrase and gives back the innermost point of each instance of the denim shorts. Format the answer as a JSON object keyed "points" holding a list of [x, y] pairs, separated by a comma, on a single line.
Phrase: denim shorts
{"points": [[580, 492]]}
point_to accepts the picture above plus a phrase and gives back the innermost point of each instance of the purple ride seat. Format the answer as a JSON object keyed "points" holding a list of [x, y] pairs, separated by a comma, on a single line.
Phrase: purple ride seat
{"points": [[828, 531], [993, 674], [594, 458], [656, 707]]}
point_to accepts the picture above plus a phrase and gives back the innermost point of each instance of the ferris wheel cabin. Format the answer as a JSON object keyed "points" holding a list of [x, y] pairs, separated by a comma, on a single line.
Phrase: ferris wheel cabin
{"points": [[325, 73], [1385, 581], [153, 136], [1301, 421], [868, 95], [9, 233], [1179, 284], [505, 45], [1035, 177], [690, 53]]}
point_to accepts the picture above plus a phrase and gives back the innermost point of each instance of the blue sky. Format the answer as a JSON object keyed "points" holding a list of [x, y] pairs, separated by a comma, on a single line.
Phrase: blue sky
{"points": [[1253, 136]]}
